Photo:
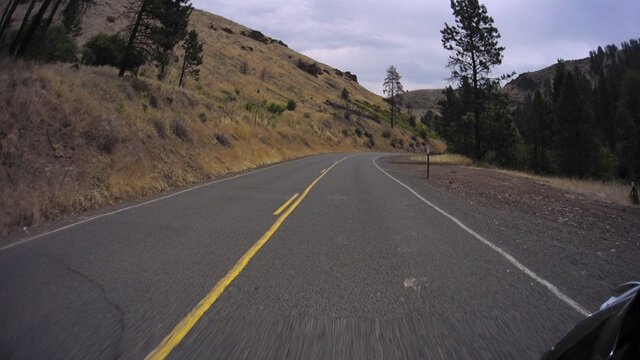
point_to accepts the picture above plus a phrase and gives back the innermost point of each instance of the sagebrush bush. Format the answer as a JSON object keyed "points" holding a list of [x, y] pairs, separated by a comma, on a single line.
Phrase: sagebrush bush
{"points": [[104, 135], [370, 143], [179, 129], [291, 105], [203, 117], [386, 134], [223, 140], [358, 132], [161, 128]]}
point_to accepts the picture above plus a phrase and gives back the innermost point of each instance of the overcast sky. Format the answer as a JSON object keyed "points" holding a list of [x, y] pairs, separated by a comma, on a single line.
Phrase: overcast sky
{"points": [[366, 36]]}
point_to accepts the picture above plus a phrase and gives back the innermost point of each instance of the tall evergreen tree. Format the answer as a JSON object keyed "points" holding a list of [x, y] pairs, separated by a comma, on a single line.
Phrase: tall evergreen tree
{"points": [[158, 25], [575, 143], [192, 57], [473, 41], [393, 88]]}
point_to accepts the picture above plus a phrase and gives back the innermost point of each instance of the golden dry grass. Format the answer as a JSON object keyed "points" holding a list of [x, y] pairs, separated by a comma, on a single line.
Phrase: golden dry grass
{"points": [[446, 159], [611, 191], [78, 139]]}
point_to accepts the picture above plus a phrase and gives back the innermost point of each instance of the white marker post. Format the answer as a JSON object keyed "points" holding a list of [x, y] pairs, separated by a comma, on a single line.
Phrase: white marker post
{"points": [[428, 161]]}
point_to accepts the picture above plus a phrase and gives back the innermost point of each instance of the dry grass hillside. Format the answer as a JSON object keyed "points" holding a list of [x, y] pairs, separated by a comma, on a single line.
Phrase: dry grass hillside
{"points": [[75, 138], [529, 82], [526, 83], [421, 101]]}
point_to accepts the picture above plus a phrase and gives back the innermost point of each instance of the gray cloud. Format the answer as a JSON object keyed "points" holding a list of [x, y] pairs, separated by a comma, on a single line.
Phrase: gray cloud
{"points": [[366, 36]]}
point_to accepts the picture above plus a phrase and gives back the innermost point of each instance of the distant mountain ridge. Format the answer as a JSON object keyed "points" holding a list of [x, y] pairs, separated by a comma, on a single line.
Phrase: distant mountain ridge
{"points": [[526, 83]]}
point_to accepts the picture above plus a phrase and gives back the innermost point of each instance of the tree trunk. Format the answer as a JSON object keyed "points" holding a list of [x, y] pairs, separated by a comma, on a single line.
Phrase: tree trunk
{"points": [[24, 44], [476, 104], [535, 153], [25, 20], [184, 67], [52, 15], [5, 12], [132, 38], [393, 104], [6, 19]]}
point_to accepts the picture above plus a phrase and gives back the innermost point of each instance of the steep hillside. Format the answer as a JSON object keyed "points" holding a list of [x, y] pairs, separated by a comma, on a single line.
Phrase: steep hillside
{"points": [[74, 138], [527, 83], [421, 101]]}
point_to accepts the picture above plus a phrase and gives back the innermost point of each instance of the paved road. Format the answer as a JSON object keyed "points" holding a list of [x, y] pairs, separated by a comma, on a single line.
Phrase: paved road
{"points": [[357, 266]]}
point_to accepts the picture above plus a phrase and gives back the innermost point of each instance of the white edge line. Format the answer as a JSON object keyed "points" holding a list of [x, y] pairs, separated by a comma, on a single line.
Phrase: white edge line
{"points": [[559, 294], [142, 204]]}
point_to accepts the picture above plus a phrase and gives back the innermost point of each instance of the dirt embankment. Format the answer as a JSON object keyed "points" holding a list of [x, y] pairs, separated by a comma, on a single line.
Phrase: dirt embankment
{"points": [[582, 214], [78, 138]]}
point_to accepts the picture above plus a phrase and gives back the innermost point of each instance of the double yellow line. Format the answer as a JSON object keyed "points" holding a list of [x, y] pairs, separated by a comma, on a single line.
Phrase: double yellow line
{"points": [[183, 328]]}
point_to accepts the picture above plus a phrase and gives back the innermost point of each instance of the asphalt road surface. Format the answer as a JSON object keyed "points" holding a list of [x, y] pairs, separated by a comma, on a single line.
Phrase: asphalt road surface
{"points": [[365, 262]]}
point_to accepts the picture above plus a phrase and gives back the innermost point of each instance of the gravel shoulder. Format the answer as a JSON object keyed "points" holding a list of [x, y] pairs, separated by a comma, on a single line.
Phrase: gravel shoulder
{"points": [[582, 244]]}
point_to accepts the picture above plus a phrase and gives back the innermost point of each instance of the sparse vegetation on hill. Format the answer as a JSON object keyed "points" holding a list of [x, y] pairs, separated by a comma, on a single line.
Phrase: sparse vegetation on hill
{"points": [[78, 137]]}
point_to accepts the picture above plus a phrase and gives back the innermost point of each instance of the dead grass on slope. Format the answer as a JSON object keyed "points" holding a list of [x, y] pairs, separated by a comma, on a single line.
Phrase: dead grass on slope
{"points": [[78, 139], [611, 191]]}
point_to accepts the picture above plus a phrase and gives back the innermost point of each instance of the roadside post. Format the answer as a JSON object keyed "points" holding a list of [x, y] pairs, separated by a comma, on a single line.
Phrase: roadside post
{"points": [[428, 161]]}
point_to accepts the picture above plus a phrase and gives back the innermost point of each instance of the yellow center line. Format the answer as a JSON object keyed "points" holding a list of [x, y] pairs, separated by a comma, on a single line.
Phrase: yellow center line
{"points": [[284, 206], [186, 324], [323, 170]]}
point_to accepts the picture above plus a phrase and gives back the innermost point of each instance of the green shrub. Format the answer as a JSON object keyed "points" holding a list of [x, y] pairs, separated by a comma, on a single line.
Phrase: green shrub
{"points": [[358, 132], [104, 49], [423, 134], [52, 46], [386, 134], [203, 117], [111, 19], [367, 135], [291, 105], [412, 121], [276, 108], [250, 106]]}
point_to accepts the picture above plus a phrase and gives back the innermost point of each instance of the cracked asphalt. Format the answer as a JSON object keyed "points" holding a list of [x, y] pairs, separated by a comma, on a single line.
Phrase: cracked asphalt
{"points": [[361, 268]]}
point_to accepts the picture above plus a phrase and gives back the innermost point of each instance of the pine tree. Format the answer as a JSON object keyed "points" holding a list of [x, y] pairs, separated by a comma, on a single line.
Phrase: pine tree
{"points": [[393, 89], [158, 25], [192, 57], [473, 41], [344, 95]]}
